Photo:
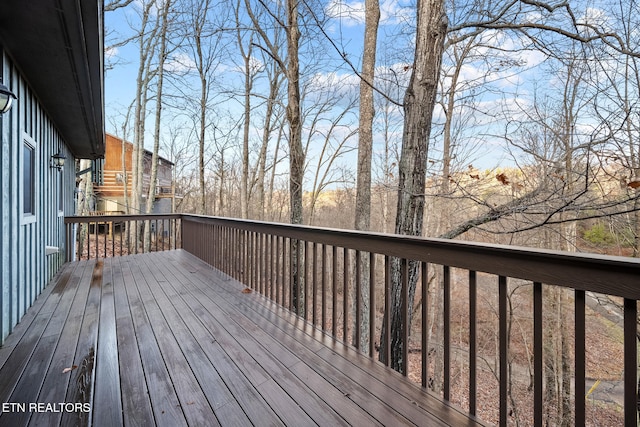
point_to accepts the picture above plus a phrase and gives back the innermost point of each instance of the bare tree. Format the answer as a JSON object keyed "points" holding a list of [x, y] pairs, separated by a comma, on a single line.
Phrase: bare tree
{"points": [[163, 52], [419, 104], [365, 145]]}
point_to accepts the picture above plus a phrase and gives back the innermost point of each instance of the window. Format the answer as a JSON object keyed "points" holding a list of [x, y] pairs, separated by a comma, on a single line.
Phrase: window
{"points": [[60, 194], [28, 179], [28, 182]]}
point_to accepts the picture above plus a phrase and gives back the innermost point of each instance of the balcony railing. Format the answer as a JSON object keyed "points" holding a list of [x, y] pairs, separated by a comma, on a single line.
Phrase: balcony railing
{"points": [[99, 236], [341, 282]]}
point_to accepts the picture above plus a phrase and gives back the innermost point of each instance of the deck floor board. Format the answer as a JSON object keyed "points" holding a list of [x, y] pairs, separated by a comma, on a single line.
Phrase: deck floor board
{"points": [[163, 339]]}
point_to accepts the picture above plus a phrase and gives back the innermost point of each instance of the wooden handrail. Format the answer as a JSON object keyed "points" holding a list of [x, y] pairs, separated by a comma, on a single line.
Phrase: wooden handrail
{"points": [[612, 275], [261, 255]]}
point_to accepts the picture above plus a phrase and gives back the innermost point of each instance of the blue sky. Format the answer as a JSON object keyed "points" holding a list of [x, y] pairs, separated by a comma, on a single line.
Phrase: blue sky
{"points": [[506, 91]]}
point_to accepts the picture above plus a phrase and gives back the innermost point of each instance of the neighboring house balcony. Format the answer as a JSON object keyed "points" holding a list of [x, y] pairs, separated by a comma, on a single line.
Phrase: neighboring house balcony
{"points": [[214, 321], [113, 178]]}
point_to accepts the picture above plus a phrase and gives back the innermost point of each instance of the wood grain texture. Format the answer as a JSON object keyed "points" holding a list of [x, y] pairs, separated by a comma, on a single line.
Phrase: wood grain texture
{"points": [[163, 339]]}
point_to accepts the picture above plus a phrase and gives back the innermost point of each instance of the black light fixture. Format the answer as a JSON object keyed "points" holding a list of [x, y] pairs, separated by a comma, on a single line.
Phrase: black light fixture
{"points": [[57, 161], [6, 98]]}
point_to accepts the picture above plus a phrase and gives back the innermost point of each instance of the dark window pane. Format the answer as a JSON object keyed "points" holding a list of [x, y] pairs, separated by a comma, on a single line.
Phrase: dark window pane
{"points": [[60, 193], [28, 179]]}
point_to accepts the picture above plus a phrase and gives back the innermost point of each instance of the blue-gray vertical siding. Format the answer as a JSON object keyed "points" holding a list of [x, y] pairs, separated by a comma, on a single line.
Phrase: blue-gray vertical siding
{"points": [[24, 266]]}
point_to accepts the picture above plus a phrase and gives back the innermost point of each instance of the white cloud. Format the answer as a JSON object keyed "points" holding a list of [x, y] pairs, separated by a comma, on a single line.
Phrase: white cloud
{"points": [[110, 52], [180, 63], [351, 12]]}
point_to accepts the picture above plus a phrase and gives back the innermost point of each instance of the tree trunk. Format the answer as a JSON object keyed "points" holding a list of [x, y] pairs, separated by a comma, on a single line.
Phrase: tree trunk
{"points": [[296, 154], [248, 85], [151, 195], [419, 104], [365, 144], [147, 47]]}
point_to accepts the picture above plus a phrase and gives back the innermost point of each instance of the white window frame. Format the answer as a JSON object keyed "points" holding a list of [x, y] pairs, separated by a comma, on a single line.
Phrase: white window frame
{"points": [[29, 217]]}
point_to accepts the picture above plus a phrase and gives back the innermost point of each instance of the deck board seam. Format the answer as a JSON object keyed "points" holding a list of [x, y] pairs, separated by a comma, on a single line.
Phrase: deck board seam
{"points": [[124, 320], [285, 369], [228, 333], [40, 323], [187, 326], [170, 348], [142, 325], [270, 324], [264, 304], [298, 360]]}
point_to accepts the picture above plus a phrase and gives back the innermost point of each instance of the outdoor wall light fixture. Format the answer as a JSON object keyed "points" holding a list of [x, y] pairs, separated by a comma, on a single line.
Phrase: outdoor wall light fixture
{"points": [[57, 161], [6, 98]]}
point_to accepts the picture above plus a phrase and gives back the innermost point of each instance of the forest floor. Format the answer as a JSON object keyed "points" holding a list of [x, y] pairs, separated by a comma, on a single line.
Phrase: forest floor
{"points": [[604, 383]]}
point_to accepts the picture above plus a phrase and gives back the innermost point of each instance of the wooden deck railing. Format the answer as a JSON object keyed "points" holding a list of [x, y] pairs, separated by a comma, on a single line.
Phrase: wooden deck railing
{"points": [[330, 275], [340, 280], [99, 236]]}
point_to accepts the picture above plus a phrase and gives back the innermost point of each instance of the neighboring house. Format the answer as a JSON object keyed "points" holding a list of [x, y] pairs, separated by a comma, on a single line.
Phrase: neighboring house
{"points": [[109, 184], [51, 58]]}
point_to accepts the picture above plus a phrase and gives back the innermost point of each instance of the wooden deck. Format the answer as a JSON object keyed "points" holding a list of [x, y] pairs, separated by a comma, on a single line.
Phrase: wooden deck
{"points": [[163, 339]]}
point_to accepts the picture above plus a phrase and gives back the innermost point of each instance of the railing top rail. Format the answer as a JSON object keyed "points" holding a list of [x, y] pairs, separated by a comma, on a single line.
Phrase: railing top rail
{"points": [[612, 275], [140, 217]]}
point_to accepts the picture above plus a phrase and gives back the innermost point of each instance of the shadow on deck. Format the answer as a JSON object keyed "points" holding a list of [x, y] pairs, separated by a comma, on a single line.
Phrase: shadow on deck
{"points": [[164, 339]]}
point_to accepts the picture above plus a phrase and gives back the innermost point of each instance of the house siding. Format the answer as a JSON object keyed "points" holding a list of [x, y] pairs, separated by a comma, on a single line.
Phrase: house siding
{"points": [[24, 266]]}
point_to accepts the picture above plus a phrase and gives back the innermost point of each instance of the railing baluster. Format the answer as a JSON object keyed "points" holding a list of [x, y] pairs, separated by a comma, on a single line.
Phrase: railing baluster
{"points": [[242, 268], [260, 254], [291, 273], [312, 284], [424, 284], [216, 254], [307, 281], [315, 283], [447, 331], [277, 270], [387, 310], [345, 296], [323, 288], [537, 354], [358, 297], [630, 362], [265, 259], [272, 270], [97, 243], [503, 338], [334, 287], [255, 260], [235, 254], [255, 264], [580, 352], [261, 262], [372, 303], [473, 296], [405, 316]]}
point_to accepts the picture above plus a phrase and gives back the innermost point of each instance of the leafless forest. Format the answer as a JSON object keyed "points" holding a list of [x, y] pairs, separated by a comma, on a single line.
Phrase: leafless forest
{"points": [[512, 122]]}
